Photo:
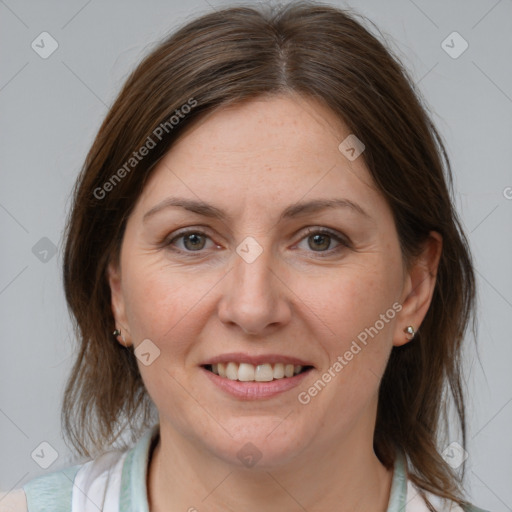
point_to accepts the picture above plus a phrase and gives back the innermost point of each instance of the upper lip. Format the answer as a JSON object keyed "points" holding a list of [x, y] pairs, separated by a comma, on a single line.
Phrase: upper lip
{"points": [[239, 357]]}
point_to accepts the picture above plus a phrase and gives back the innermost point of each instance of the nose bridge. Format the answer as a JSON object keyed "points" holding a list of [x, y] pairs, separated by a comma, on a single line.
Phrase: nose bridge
{"points": [[253, 299], [253, 269]]}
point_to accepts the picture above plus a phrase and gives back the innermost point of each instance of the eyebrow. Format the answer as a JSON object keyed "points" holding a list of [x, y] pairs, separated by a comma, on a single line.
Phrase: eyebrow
{"points": [[294, 210]]}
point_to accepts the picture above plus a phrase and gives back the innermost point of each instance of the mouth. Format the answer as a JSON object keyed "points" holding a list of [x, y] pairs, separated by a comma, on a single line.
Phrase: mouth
{"points": [[265, 372]]}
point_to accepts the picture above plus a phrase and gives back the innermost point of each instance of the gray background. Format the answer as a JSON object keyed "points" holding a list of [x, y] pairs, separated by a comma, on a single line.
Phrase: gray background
{"points": [[51, 109]]}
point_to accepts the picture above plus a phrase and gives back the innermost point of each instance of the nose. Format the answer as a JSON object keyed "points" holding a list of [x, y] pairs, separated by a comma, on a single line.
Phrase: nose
{"points": [[255, 297]]}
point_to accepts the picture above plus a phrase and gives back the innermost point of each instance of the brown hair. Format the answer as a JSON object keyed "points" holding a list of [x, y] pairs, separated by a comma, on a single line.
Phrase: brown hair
{"points": [[233, 55]]}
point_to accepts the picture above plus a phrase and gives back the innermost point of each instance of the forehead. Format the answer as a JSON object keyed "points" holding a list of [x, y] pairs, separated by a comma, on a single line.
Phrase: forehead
{"points": [[263, 152]]}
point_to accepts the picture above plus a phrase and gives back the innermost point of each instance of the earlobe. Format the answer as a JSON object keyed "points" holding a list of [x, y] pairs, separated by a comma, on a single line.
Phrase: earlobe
{"points": [[418, 290], [120, 330]]}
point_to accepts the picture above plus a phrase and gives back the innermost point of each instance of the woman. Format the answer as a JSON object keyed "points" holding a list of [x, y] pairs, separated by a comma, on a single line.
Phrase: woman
{"points": [[269, 281]]}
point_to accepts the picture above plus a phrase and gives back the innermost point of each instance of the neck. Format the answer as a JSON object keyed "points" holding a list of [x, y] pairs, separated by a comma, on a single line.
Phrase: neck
{"points": [[344, 477]]}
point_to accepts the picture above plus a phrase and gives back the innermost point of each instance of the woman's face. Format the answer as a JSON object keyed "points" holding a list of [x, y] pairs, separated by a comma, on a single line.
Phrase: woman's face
{"points": [[254, 268]]}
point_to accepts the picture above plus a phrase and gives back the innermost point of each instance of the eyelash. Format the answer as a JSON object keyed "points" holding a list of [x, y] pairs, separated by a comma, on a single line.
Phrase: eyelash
{"points": [[310, 231]]}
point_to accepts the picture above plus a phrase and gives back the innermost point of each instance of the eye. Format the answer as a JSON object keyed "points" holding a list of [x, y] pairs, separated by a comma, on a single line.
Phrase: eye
{"points": [[193, 241], [319, 240]]}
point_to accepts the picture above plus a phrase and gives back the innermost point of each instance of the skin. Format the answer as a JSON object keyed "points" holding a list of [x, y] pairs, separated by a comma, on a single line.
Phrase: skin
{"points": [[252, 161]]}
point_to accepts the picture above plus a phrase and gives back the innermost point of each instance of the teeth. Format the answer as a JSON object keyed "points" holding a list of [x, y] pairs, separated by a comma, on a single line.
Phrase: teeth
{"points": [[278, 371], [263, 373], [232, 371], [246, 372]]}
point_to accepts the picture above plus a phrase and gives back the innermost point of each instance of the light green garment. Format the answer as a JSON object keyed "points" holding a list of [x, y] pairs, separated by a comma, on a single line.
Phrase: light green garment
{"points": [[54, 492]]}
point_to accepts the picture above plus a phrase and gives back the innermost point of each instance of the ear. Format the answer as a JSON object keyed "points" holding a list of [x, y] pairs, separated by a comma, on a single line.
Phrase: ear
{"points": [[418, 288], [118, 303]]}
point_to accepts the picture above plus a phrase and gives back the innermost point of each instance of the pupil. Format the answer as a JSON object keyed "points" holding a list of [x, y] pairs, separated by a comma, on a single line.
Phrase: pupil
{"points": [[194, 238], [320, 238]]}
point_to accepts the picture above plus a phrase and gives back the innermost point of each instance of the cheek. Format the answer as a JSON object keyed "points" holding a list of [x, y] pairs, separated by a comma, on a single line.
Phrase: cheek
{"points": [[357, 306], [165, 305], [363, 317], [357, 343], [352, 298], [160, 299]]}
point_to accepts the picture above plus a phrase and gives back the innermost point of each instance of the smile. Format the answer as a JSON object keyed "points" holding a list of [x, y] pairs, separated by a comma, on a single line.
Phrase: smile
{"points": [[246, 372]]}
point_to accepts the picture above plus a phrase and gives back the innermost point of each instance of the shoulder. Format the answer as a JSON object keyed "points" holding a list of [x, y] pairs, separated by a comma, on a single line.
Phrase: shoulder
{"points": [[97, 483], [416, 503], [54, 488], [54, 491]]}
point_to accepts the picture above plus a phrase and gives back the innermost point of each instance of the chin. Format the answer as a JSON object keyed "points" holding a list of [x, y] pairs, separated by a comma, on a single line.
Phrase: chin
{"points": [[258, 444]]}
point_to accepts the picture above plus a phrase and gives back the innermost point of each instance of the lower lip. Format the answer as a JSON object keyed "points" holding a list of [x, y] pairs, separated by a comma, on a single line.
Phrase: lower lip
{"points": [[255, 390]]}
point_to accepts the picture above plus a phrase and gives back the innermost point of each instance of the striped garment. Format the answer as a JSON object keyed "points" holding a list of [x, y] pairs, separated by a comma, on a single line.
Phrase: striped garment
{"points": [[116, 482]]}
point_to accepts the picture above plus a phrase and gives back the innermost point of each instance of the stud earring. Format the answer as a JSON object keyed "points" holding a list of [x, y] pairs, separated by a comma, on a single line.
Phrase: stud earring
{"points": [[409, 330], [117, 333]]}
